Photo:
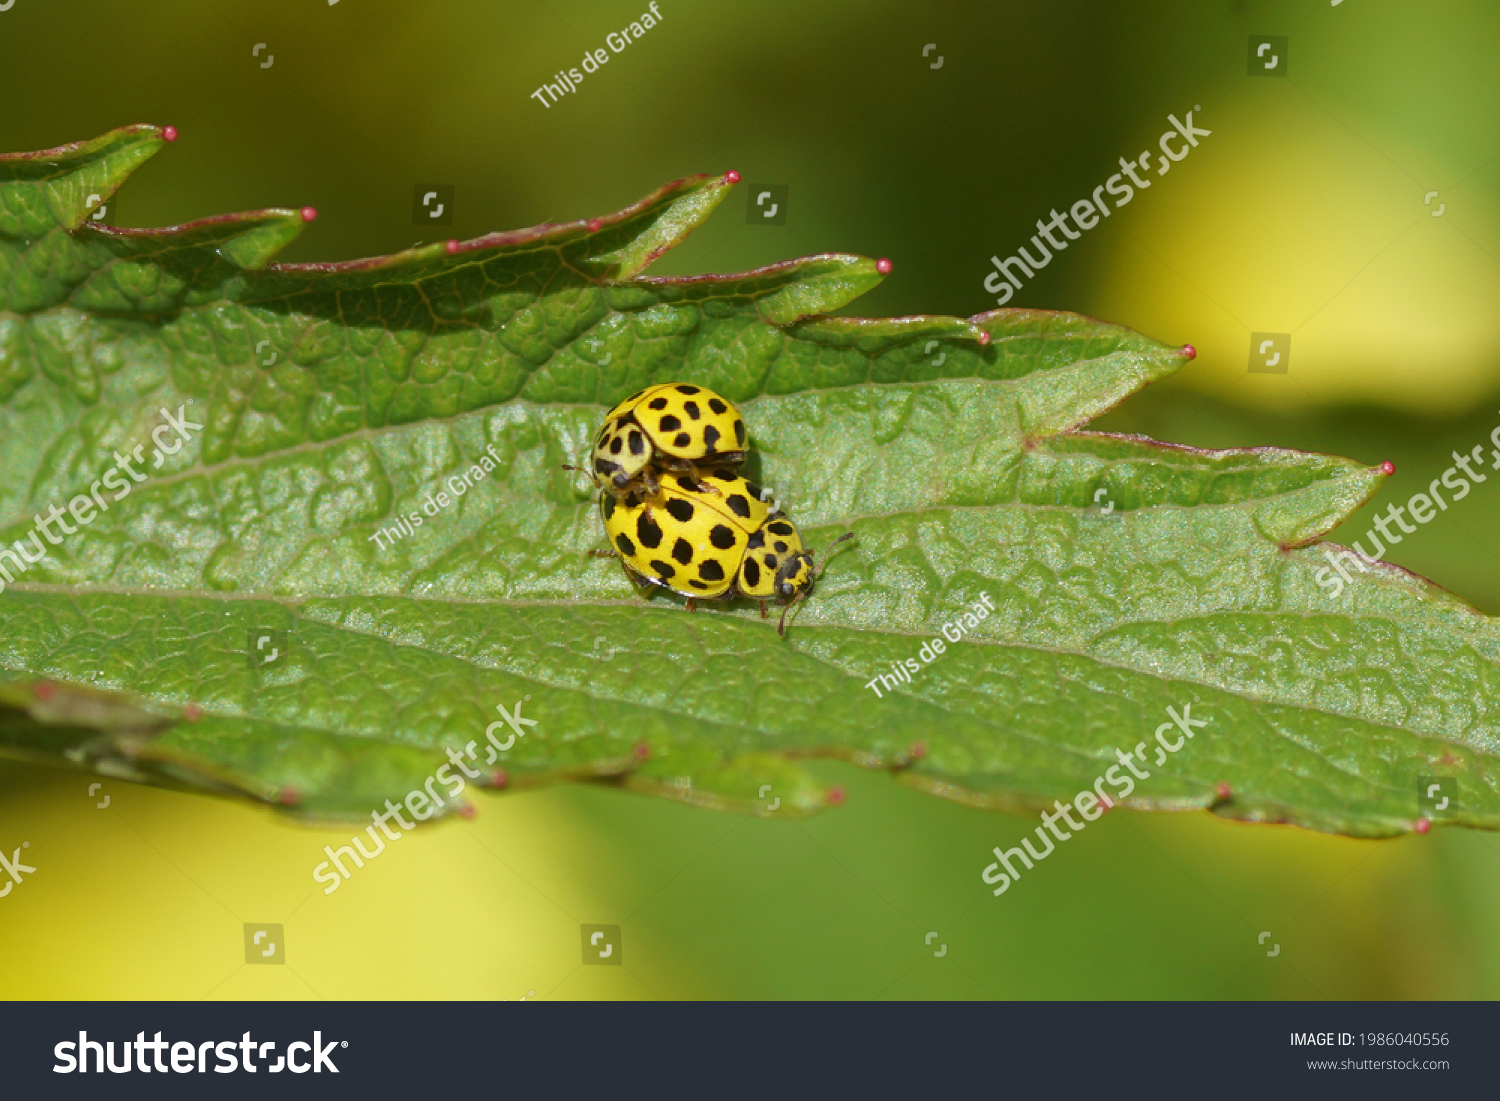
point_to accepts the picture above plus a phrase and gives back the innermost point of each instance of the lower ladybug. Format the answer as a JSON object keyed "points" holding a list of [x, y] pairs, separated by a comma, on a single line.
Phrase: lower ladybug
{"points": [[710, 538]]}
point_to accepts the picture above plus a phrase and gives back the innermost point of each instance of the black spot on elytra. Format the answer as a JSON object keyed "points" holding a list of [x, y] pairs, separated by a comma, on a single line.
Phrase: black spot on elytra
{"points": [[682, 440], [682, 550], [691, 409], [695, 583], [603, 466], [688, 484], [752, 573], [657, 403], [682, 511], [739, 431], [711, 438], [670, 423], [633, 500], [637, 442], [755, 491], [769, 560], [738, 505], [780, 527], [757, 540], [717, 406], [683, 389], [633, 396], [648, 531], [781, 548], [627, 548], [711, 571], [662, 569], [615, 445], [608, 506], [722, 536]]}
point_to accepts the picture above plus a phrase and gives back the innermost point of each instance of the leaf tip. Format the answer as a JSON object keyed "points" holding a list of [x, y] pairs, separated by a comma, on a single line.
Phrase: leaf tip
{"points": [[169, 133], [1189, 352], [258, 236], [1388, 468], [883, 266], [835, 797], [731, 177], [912, 754], [1422, 825]]}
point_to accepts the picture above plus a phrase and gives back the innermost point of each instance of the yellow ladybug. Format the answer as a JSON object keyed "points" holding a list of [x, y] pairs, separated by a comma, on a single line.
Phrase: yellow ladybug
{"points": [[672, 426], [710, 538]]}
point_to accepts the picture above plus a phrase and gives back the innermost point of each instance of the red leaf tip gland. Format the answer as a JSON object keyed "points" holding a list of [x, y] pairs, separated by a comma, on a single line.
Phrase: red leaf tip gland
{"points": [[883, 266], [169, 133], [1189, 352], [1423, 825], [1388, 467], [288, 797], [309, 213], [642, 751], [835, 796], [467, 810], [917, 751], [731, 176], [499, 779], [45, 690], [984, 338], [594, 224], [192, 712], [1223, 791], [452, 247]]}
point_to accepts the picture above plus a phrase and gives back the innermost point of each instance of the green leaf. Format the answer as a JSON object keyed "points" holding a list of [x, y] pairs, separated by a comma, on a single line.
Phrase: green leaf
{"points": [[321, 402]]}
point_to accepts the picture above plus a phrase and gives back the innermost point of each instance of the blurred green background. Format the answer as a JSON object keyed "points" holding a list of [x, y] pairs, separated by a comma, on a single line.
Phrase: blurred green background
{"points": [[1302, 214]]}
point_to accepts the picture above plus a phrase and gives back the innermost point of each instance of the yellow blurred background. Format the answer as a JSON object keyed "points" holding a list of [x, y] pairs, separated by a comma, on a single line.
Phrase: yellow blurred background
{"points": [[1303, 214]]}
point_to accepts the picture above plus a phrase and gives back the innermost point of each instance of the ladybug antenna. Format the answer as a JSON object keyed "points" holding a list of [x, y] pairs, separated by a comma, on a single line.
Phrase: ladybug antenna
{"points": [[827, 555]]}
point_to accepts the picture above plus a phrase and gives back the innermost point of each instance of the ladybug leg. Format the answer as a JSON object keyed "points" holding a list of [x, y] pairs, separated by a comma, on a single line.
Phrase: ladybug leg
{"points": [[692, 605], [597, 553], [704, 486], [762, 609]]}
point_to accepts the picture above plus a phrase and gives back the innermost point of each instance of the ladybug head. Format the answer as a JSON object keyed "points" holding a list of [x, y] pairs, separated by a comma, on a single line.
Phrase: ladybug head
{"points": [[794, 577], [797, 575]]}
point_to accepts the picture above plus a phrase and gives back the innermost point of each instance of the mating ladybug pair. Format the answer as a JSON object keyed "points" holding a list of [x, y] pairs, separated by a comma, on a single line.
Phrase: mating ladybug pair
{"points": [[676, 512]]}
